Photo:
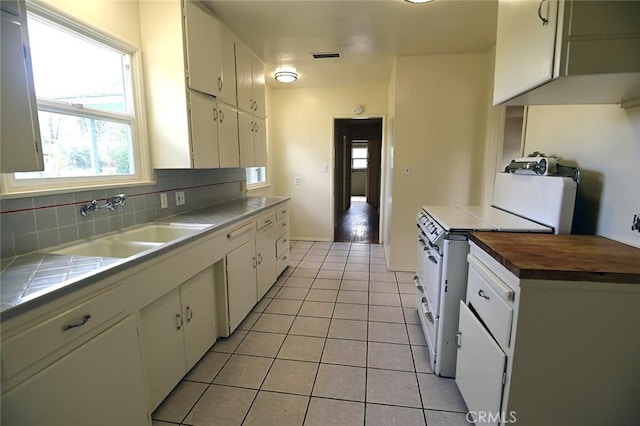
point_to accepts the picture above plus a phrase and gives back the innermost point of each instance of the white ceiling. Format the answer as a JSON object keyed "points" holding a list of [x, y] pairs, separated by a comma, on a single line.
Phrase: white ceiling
{"points": [[368, 34]]}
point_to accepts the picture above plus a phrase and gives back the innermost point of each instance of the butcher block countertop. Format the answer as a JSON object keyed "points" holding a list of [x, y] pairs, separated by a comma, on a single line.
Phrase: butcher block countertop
{"points": [[562, 257]]}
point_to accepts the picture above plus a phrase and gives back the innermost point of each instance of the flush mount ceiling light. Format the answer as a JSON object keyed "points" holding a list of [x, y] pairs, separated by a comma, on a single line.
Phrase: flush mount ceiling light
{"points": [[286, 76], [418, 1]]}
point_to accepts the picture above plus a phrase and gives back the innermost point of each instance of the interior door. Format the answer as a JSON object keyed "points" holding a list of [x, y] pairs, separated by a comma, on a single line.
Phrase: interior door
{"points": [[480, 365], [346, 146], [373, 173]]}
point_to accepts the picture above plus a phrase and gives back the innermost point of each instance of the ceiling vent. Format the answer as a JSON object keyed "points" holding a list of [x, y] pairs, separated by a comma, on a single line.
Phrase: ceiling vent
{"points": [[325, 55]]}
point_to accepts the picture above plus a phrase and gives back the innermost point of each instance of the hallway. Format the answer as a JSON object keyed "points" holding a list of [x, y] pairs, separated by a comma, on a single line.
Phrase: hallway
{"points": [[359, 224]]}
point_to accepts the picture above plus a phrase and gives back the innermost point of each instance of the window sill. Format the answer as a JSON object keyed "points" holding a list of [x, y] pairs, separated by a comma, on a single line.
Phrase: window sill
{"points": [[258, 186]]}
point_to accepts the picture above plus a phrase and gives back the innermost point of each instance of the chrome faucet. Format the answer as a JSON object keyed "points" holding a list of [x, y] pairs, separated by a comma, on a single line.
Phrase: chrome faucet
{"points": [[112, 204]]}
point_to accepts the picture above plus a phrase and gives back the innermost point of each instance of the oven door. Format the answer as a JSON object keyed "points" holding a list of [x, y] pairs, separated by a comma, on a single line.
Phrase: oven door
{"points": [[431, 277]]}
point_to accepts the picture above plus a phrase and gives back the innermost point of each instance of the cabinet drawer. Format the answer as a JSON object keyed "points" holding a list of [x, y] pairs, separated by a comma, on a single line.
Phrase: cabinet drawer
{"points": [[266, 219], [282, 228], [282, 262], [34, 344], [282, 245], [489, 296], [282, 213]]}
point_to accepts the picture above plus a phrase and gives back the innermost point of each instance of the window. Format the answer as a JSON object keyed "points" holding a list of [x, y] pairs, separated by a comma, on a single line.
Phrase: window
{"points": [[359, 156], [256, 175], [86, 106]]}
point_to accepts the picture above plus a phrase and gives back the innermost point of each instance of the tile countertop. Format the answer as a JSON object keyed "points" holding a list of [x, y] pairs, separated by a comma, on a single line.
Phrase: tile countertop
{"points": [[35, 278], [562, 257]]}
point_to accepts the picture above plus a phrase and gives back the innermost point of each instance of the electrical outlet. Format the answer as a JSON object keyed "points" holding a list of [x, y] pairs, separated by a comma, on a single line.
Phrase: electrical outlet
{"points": [[180, 198], [297, 180], [325, 168], [163, 201]]}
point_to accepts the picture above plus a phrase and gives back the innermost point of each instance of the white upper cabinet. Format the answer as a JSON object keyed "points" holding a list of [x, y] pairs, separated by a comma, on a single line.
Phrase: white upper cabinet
{"points": [[204, 50], [253, 140], [189, 71], [567, 52], [20, 142], [250, 82]]}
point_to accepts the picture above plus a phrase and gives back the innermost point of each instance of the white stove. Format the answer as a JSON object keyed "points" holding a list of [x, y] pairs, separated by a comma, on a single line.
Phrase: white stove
{"points": [[522, 203]]}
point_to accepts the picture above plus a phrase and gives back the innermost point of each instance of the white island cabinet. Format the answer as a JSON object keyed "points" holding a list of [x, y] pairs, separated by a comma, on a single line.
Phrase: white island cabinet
{"points": [[567, 52], [549, 332]]}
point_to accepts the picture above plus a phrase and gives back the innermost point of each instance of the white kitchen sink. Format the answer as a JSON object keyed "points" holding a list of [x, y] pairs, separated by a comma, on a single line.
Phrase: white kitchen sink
{"points": [[106, 247], [158, 233], [130, 242]]}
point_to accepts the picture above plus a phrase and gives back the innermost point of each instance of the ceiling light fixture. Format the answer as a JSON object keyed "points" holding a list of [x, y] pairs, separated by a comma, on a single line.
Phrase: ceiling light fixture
{"points": [[286, 76], [418, 1]]}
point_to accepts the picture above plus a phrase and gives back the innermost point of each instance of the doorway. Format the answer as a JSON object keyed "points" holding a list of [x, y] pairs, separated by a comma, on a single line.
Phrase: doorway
{"points": [[357, 172]]}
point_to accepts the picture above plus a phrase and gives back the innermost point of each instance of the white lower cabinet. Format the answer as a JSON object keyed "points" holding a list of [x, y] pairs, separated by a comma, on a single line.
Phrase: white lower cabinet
{"points": [[266, 257], [480, 366], [99, 383], [176, 330], [241, 282]]}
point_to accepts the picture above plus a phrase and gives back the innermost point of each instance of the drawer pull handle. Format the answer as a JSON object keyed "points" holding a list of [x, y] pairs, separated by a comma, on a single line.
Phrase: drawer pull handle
{"points": [[267, 222], [82, 322], [189, 314], [284, 224], [482, 294], [284, 241], [179, 321], [432, 259]]}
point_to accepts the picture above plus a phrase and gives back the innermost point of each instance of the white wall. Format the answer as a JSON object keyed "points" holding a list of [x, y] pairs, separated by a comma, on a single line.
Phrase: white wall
{"points": [[604, 141], [439, 132], [119, 19], [301, 142]]}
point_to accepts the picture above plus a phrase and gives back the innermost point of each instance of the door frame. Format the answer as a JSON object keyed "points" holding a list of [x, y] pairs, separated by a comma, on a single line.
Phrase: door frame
{"points": [[383, 168]]}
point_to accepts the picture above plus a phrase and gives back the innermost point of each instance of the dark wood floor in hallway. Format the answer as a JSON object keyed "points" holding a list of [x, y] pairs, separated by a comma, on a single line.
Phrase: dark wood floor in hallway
{"points": [[359, 224]]}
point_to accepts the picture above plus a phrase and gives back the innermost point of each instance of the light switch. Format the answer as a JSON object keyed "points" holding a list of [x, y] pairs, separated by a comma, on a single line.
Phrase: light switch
{"points": [[297, 180]]}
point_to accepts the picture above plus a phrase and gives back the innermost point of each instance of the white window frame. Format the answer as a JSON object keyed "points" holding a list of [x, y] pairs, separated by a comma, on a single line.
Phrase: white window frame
{"points": [[258, 185], [140, 147]]}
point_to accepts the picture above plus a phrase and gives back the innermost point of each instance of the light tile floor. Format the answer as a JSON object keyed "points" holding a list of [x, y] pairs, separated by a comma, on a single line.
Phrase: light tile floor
{"points": [[336, 341]]}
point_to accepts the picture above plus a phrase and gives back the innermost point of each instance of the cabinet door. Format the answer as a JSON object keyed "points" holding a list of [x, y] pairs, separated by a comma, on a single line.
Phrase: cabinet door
{"points": [[227, 92], [258, 83], [203, 117], [524, 46], [161, 334], [480, 365], [198, 310], [228, 136], [266, 256], [244, 78], [100, 383], [259, 142], [241, 282], [20, 144], [203, 43], [245, 139]]}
